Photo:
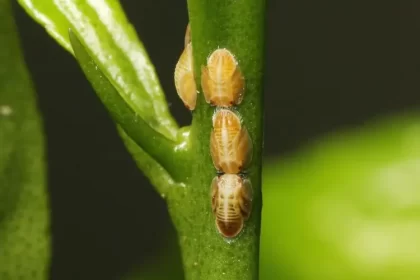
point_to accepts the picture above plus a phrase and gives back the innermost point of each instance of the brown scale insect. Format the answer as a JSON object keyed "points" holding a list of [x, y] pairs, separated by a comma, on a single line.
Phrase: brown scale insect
{"points": [[221, 80], [231, 203], [230, 143], [184, 74]]}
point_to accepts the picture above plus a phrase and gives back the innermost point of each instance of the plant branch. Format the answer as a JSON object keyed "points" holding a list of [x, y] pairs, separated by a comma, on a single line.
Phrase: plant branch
{"points": [[239, 27], [165, 151]]}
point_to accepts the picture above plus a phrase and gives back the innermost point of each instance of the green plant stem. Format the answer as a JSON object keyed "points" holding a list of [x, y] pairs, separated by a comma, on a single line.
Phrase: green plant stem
{"points": [[239, 27], [24, 211]]}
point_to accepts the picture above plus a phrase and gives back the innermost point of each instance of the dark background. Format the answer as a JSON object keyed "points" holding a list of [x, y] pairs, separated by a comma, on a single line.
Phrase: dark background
{"points": [[330, 65]]}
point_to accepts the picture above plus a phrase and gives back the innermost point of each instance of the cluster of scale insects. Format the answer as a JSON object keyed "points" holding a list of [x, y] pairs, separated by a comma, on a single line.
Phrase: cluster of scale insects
{"points": [[223, 86]]}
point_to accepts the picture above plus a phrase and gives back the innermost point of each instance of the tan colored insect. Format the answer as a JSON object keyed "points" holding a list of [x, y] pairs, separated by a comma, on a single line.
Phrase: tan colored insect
{"points": [[221, 80], [184, 75], [230, 143], [231, 203]]}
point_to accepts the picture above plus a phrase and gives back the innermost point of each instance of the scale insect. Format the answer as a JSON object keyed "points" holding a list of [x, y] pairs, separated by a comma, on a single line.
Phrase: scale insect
{"points": [[184, 74], [231, 203], [221, 80], [230, 144]]}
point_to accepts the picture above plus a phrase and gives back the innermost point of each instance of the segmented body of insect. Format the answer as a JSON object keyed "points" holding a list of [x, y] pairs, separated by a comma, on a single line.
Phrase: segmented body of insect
{"points": [[231, 203], [230, 143], [221, 80], [184, 76]]}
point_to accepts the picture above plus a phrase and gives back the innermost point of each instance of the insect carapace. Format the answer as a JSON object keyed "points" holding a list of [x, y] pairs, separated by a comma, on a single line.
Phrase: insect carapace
{"points": [[184, 77], [221, 79], [231, 203], [230, 143]]}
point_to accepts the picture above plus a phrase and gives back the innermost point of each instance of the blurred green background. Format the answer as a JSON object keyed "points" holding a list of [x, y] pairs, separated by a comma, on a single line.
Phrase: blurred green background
{"points": [[346, 208], [342, 174]]}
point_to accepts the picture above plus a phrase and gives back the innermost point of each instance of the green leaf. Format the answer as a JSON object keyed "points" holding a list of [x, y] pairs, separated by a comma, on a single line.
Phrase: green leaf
{"points": [[24, 214], [125, 69], [165, 151], [347, 207], [114, 46]]}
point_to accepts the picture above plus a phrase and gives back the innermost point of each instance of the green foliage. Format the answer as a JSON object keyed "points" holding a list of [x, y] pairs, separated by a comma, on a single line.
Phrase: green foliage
{"points": [[108, 37], [158, 146], [177, 161], [24, 221], [347, 207], [103, 28], [344, 208]]}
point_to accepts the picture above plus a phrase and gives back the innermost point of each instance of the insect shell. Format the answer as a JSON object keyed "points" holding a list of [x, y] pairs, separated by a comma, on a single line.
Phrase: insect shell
{"points": [[187, 38], [231, 203], [221, 80], [230, 143], [184, 78]]}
